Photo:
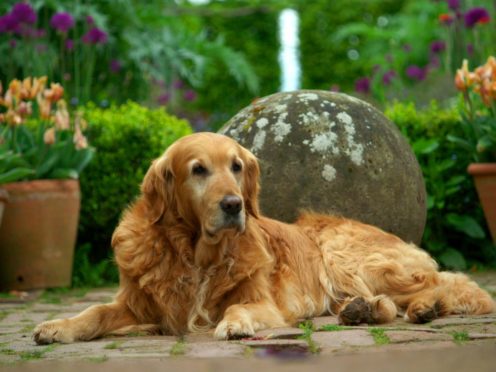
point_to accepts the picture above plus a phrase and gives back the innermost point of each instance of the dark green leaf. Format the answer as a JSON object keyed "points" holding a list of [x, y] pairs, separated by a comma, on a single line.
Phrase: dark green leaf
{"points": [[16, 174], [64, 174], [425, 146], [465, 224], [453, 259]]}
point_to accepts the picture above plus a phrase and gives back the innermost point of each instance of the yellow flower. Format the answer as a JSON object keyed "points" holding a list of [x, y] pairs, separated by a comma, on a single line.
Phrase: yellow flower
{"points": [[79, 139], [15, 87], [49, 136], [45, 107], [13, 118], [62, 119], [38, 86]]}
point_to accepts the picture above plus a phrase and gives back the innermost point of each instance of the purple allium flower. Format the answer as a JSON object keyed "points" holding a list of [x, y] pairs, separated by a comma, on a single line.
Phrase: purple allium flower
{"points": [[389, 58], [69, 44], [189, 95], [8, 23], [95, 36], [40, 33], [90, 20], [362, 85], [163, 99], [12, 43], [335, 88], [407, 48], [438, 46], [24, 13], [476, 15], [434, 62], [415, 72], [470, 49], [454, 4], [62, 21], [376, 69], [388, 77], [178, 84], [115, 66]]}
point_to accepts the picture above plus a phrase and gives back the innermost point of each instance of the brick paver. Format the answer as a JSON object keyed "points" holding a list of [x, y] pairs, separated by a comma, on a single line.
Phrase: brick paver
{"points": [[323, 337]]}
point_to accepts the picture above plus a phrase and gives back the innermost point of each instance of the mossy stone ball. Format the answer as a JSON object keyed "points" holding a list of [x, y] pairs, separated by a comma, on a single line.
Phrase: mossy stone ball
{"points": [[332, 153]]}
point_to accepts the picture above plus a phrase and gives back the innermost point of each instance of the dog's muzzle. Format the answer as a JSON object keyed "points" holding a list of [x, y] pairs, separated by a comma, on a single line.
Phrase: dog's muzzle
{"points": [[231, 206]]}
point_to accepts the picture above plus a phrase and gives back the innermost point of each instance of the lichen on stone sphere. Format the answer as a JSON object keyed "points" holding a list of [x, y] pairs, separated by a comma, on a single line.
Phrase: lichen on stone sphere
{"points": [[332, 153]]}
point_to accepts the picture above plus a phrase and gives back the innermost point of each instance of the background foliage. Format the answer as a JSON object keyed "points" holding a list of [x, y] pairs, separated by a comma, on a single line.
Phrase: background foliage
{"points": [[206, 62], [127, 138], [455, 231]]}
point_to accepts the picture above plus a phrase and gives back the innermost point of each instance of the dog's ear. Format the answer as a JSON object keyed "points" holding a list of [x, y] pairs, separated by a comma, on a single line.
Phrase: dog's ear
{"points": [[158, 188], [251, 183]]}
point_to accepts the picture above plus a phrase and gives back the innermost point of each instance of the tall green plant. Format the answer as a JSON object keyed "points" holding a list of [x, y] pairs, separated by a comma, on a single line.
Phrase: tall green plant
{"points": [[112, 52], [453, 232], [39, 142]]}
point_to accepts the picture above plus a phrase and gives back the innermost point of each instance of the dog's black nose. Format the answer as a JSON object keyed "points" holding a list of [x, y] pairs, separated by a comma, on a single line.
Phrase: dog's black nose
{"points": [[231, 204]]}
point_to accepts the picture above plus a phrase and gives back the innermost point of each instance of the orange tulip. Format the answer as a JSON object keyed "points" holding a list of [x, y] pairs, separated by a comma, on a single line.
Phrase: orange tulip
{"points": [[55, 93]]}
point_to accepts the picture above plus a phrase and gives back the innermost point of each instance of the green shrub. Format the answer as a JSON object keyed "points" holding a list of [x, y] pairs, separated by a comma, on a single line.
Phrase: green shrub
{"points": [[126, 139], [453, 232]]}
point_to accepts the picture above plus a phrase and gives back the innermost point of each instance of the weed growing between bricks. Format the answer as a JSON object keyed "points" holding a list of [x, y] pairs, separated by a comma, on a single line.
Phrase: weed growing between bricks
{"points": [[380, 336], [308, 328], [460, 337], [179, 348]]}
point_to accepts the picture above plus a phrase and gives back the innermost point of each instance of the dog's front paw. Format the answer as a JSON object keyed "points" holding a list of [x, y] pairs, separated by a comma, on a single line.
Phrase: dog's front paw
{"points": [[57, 330], [233, 329]]}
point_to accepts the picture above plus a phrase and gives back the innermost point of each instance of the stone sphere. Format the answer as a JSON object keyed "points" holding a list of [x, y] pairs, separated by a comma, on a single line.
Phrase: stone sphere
{"points": [[332, 153]]}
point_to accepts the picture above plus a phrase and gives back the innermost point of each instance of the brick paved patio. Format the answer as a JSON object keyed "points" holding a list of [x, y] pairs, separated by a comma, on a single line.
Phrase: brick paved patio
{"points": [[322, 340]]}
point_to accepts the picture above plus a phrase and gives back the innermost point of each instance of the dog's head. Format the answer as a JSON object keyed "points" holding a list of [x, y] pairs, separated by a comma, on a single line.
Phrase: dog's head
{"points": [[206, 180]]}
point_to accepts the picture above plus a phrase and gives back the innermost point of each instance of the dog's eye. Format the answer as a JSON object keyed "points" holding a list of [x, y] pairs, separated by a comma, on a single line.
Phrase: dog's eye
{"points": [[199, 170], [236, 167]]}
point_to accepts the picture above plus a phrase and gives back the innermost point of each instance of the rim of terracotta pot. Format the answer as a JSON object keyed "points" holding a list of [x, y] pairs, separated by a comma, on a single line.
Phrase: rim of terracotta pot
{"points": [[482, 169], [40, 185]]}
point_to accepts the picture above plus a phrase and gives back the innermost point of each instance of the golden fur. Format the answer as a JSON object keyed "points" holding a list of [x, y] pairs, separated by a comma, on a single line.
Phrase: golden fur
{"points": [[186, 264]]}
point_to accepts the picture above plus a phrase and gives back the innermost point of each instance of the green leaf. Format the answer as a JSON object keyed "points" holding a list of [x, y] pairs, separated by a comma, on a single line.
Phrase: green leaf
{"points": [[430, 201], [64, 174], [453, 259], [16, 174], [82, 158], [456, 180], [465, 224], [47, 165], [425, 146], [460, 142]]}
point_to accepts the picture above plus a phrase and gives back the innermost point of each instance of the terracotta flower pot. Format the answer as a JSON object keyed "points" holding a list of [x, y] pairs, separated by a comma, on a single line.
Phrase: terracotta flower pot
{"points": [[3, 199], [38, 234], [485, 182]]}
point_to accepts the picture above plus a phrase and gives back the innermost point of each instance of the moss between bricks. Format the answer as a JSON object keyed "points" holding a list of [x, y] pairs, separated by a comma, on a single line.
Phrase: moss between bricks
{"points": [[460, 337], [35, 354], [308, 328], [380, 336], [113, 345], [179, 348]]}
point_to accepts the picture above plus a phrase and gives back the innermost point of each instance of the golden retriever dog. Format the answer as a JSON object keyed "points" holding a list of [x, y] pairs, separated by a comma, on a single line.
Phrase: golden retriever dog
{"points": [[194, 253]]}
